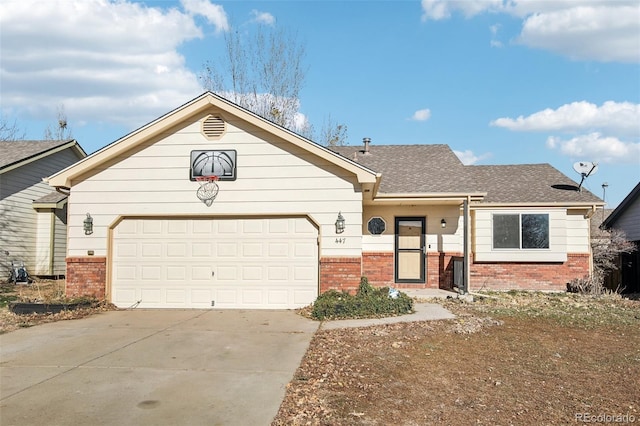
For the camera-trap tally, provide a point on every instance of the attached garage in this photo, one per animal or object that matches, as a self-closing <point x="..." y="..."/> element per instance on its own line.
<point x="209" y="207"/>
<point x="250" y="263"/>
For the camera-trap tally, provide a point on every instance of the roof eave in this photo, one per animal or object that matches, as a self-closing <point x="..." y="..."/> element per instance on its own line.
<point x="427" y="198"/>
<point x="568" y="205"/>
<point x="50" y="205"/>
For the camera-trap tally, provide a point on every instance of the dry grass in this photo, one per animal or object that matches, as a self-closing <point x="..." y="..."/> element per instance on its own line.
<point x="517" y="358"/>
<point x="40" y="291"/>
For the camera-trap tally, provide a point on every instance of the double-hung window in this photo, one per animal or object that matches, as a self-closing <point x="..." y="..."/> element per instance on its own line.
<point x="521" y="231"/>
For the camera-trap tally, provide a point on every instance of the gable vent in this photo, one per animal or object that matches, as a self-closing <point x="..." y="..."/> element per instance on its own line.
<point x="213" y="126"/>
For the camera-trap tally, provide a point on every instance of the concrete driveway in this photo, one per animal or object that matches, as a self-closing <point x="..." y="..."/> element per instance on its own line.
<point x="152" y="367"/>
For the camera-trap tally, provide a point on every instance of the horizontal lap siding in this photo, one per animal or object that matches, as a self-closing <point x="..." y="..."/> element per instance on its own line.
<point x="629" y="221"/>
<point x="273" y="178"/>
<point x="18" y="189"/>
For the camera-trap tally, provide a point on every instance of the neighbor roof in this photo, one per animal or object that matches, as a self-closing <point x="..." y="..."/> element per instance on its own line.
<point x="436" y="169"/>
<point x="622" y="207"/>
<point x="16" y="153"/>
<point x="54" y="199"/>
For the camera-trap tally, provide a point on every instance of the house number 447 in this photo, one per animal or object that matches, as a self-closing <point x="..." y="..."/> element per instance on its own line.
<point x="341" y="240"/>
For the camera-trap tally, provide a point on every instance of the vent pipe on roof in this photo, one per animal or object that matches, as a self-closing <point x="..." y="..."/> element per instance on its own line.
<point x="366" y="141"/>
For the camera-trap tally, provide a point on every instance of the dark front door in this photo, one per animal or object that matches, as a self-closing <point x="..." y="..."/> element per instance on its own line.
<point x="410" y="264"/>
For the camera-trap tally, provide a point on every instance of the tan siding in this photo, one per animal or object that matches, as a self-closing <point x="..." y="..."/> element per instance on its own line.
<point x="272" y="179"/>
<point x="42" y="243"/>
<point x="448" y="239"/>
<point x="577" y="233"/>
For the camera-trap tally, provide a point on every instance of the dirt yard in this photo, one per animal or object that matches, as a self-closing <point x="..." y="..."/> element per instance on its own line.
<point x="510" y="359"/>
<point x="47" y="291"/>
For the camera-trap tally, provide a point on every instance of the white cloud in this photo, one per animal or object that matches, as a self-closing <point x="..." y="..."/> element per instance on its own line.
<point x="214" y="13"/>
<point x="600" y="30"/>
<point x="598" y="148"/>
<point x="115" y="62"/>
<point x="494" y="33"/>
<point x="421" y="115"/>
<point x="607" y="33"/>
<point x="263" y="17"/>
<point x="468" y="158"/>
<point x="618" y="118"/>
<point x="442" y="9"/>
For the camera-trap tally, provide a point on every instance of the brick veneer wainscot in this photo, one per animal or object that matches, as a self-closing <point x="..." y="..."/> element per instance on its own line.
<point x="340" y="273"/>
<point x="528" y="275"/>
<point x="86" y="276"/>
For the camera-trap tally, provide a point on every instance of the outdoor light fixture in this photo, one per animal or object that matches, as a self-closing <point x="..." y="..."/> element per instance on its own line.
<point x="443" y="223"/>
<point x="340" y="224"/>
<point x="88" y="225"/>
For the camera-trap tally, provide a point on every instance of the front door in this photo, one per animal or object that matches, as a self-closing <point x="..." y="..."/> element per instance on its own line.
<point x="410" y="262"/>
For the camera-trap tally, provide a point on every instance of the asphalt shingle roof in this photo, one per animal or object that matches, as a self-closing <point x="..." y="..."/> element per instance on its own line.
<point x="12" y="152"/>
<point x="436" y="169"/>
<point x="52" y="197"/>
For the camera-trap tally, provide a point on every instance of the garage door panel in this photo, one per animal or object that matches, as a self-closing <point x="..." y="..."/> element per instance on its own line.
<point x="151" y="227"/>
<point x="176" y="273"/>
<point x="234" y="263"/>
<point x="253" y="249"/>
<point x="201" y="249"/>
<point x="176" y="296"/>
<point x="176" y="249"/>
<point x="152" y="296"/>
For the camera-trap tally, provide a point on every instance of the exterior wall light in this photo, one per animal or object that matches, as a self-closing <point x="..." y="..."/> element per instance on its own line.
<point x="443" y="223"/>
<point x="88" y="225"/>
<point x="340" y="224"/>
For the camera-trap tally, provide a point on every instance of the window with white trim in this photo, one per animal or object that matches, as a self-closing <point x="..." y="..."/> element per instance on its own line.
<point x="521" y="231"/>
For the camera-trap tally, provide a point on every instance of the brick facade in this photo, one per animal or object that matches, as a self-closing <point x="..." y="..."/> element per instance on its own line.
<point x="86" y="276"/>
<point x="378" y="268"/>
<point x="340" y="273"/>
<point x="529" y="275"/>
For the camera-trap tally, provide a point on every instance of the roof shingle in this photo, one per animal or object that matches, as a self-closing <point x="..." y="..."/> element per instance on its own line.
<point x="436" y="169"/>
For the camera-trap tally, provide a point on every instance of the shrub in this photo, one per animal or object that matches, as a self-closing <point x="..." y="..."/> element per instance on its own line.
<point x="368" y="302"/>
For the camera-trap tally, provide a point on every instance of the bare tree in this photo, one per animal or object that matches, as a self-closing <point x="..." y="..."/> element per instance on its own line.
<point x="10" y="131"/>
<point x="264" y="72"/>
<point x="333" y="134"/>
<point x="60" y="132"/>
<point x="606" y="249"/>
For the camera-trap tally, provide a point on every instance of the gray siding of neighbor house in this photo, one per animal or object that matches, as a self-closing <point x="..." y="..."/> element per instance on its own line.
<point x="629" y="221"/>
<point x="18" y="219"/>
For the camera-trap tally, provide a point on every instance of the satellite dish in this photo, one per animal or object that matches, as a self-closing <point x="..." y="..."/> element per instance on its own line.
<point x="585" y="169"/>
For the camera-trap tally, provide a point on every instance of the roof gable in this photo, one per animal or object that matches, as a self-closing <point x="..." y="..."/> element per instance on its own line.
<point x="14" y="154"/>
<point x="183" y="113"/>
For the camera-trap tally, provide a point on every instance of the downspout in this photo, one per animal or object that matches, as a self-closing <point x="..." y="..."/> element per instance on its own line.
<point x="467" y="235"/>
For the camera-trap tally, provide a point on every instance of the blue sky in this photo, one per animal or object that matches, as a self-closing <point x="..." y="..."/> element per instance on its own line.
<point x="501" y="82"/>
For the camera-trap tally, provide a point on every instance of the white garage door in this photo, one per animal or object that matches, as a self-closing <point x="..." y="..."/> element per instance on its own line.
<point x="266" y="263"/>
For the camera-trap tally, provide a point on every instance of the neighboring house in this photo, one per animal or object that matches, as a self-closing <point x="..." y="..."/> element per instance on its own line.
<point x="33" y="218"/>
<point x="289" y="218"/>
<point x="626" y="217"/>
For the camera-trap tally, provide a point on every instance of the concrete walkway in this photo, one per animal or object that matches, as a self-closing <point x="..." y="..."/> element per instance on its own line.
<point x="423" y="312"/>
<point x="152" y="367"/>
